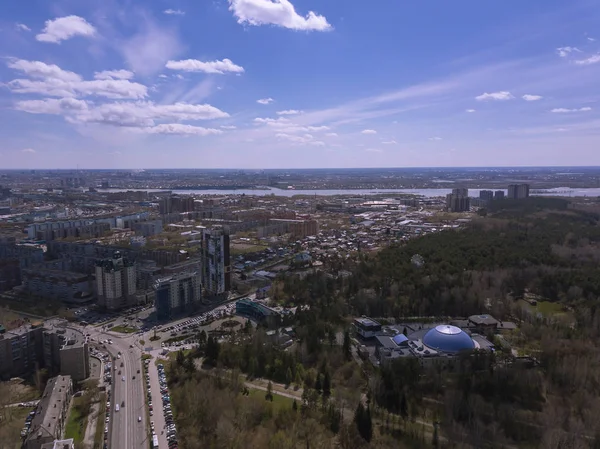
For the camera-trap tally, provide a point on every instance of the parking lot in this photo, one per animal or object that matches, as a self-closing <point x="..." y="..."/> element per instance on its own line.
<point x="161" y="416"/>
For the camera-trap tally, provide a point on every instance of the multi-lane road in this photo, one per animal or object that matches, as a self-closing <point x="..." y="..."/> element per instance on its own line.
<point x="128" y="426"/>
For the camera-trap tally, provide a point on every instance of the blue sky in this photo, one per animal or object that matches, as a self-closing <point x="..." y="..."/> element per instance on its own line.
<point x="299" y="83"/>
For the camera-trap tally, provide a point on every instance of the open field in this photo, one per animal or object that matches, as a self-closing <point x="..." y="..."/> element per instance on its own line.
<point x="246" y="248"/>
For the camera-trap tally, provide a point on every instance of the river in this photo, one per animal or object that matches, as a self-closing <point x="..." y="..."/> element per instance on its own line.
<point x="429" y="193"/>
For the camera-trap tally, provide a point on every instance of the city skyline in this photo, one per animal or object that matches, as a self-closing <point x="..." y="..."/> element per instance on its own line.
<point x="277" y="84"/>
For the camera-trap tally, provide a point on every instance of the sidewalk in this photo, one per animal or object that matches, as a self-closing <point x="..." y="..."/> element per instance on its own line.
<point x="92" y="421"/>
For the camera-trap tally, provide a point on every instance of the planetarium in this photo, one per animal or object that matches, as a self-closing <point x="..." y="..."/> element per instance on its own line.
<point x="448" y="339"/>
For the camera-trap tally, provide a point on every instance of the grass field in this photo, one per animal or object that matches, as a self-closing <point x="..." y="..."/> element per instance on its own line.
<point x="99" y="435"/>
<point x="76" y="423"/>
<point x="279" y="402"/>
<point x="13" y="420"/>
<point x="124" y="329"/>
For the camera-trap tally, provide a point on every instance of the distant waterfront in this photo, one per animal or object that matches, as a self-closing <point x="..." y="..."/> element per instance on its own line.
<point x="429" y="193"/>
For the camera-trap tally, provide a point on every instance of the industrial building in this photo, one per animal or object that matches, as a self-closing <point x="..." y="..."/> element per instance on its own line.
<point x="216" y="265"/>
<point x="177" y="294"/>
<point x="116" y="282"/>
<point x="50" y="419"/>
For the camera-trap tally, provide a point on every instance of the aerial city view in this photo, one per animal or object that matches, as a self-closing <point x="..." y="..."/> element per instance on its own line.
<point x="299" y="224"/>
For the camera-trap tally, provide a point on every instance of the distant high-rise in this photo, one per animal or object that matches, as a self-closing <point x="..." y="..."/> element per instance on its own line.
<point x="216" y="268"/>
<point x="177" y="294"/>
<point x="175" y="204"/>
<point x="499" y="195"/>
<point x="115" y="282"/>
<point x="486" y="195"/>
<point x="518" y="191"/>
<point x="458" y="200"/>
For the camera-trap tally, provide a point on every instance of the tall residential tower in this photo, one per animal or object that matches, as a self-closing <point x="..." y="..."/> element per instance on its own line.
<point x="216" y="268"/>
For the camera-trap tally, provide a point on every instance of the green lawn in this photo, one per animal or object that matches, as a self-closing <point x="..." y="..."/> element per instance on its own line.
<point x="77" y="423"/>
<point x="124" y="329"/>
<point x="99" y="436"/>
<point x="279" y="402"/>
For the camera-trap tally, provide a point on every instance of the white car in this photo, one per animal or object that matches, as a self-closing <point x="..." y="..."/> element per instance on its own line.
<point x="139" y="419"/>
<point x="123" y="378"/>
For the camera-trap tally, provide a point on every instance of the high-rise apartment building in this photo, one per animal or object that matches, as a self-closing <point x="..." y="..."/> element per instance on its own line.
<point x="175" y="204"/>
<point x="458" y="200"/>
<point x="177" y="294"/>
<point x="499" y="195"/>
<point x="216" y="266"/>
<point x="518" y="191"/>
<point x="115" y="282"/>
<point x="486" y="195"/>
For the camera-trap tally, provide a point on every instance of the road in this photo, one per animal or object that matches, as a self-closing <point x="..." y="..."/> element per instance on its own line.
<point x="125" y="430"/>
<point x="158" y="412"/>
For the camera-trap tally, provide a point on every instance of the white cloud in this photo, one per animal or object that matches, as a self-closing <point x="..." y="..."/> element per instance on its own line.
<point x="528" y="97"/>
<point x="589" y="61"/>
<point x="52" y="106"/>
<point x="114" y="74"/>
<point x="276" y="12"/>
<point x="41" y="70"/>
<point x="331" y="134"/>
<point x="182" y="130"/>
<point x="272" y="121"/>
<point x="563" y="52"/>
<point x="591" y="39"/>
<point x="115" y="89"/>
<point x="317" y="128"/>
<point x="373" y="150"/>
<point x="435" y="138"/>
<point x="503" y="95"/>
<point x="22" y="27"/>
<point x="565" y="110"/>
<point x="64" y="28"/>
<point x="389" y="142"/>
<point x="289" y="112"/>
<point x="306" y="139"/>
<point x="147" y="52"/>
<point x="122" y="114"/>
<point x="368" y="131"/>
<point x="265" y="101"/>
<point x="28" y="150"/>
<point x="194" y="65"/>
<point x="174" y="12"/>
<point x="470" y="110"/>
<point x="228" y="127"/>
<point x="162" y="75"/>
<point x="51" y="80"/>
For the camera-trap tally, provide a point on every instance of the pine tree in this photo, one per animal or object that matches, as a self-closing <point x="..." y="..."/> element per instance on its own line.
<point x="326" y="385"/>
<point x="269" y="395"/>
<point x="295" y="406"/>
<point x="347" y="346"/>
<point x="318" y="385"/>
<point x="288" y="377"/>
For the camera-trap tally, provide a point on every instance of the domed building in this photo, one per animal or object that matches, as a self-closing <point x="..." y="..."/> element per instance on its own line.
<point x="448" y="339"/>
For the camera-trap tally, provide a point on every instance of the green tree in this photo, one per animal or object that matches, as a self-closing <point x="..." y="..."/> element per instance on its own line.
<point x="295" y="406"/>
<point x="318" y="383"/>
<point x="269" y="395"/>
<point x="347" y="346"/>
<point x="212" y="350"/>
<point x="180" y="359"/>
<point x="288" y="376"/>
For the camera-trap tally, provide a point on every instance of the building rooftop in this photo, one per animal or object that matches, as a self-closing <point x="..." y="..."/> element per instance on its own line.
<point x="367" y="322"/>
<point x="59" y="444"/>
<point x="46" y="420"/>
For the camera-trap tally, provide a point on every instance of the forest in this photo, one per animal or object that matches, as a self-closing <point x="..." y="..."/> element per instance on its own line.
<point x="546" y="248"/>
